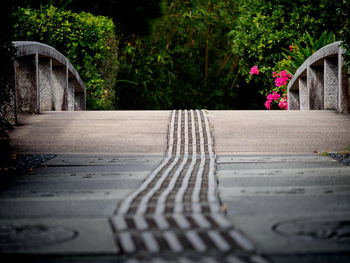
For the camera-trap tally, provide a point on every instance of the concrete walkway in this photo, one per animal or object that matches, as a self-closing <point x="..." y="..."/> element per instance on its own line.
<point x="97" y="132"/>
<point x="278" y="132"/>
<point x="292" y="204"/>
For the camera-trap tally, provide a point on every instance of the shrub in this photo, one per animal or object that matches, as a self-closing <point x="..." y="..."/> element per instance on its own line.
<point x="7" y="53"/>
<point x="343" y="13"/>
<point x="88" y="41"/>
<point x="186" y="62"/>
<point x="264" y="28"/>
<point x="298" y="52"/>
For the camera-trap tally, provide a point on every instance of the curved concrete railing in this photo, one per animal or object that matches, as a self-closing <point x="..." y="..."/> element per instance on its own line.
<point x="319" y="83"/>
<point x="46" y="80"/>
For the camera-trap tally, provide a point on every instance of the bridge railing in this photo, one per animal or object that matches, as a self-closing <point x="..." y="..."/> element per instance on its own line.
<point x="319" y="83"/>
<point x="45" y="80"/>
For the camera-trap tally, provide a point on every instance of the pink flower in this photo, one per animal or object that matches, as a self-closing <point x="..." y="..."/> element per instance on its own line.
<point x="275" y="96"/>
<point x="283" y="104"/>
<point x="281" y="79"/>
<point x="283" y="74"/>
<point x="280" y="82"/>
<point x="254" y="70"/>
<point x="268" y="104"/>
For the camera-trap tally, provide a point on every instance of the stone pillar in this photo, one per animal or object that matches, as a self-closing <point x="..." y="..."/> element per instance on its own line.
<point x="8" y="95"/>
<point x="79" y="102"/>
<point x="343" y="86"/>
<point x="71" y="93"/>
<point x="303" y="94"/>
<point x="331" y="84"/>
<point x="66" y="97"/>
<point x="37" y="84"/>
<point x="45" y="85"/>
<point x="293" y="100"/>
<point x="59" y="87"/>
<point x="315" y="86"/>
<point x="26" y="84"/>
<point x="79" y="96"/>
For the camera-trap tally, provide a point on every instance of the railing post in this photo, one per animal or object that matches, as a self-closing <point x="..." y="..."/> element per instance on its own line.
<point x="59" y="87"/>
<point x="26" y="84"/>
<point x="66" y="92"/>
<point x="303" y="94"/>
<point x="293" y="97"/>
<point x="330" y="84"/>
<point x="37" y="84"/>
<point x="45" y="81"/>
<point x="315" y="87"/>
<point x="71" y="97"/>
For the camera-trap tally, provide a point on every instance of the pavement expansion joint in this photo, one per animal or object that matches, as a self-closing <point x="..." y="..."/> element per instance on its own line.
<point x="177" y="208"/>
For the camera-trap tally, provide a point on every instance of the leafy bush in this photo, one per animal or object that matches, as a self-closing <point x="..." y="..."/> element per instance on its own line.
<point x="186" y="62"/>
<point x="7" y="53"/>
<point x="344" y="13"/>
<point x="264" y="28"/>
<point x="298" y="53"/>
<point x="88" y="41"/>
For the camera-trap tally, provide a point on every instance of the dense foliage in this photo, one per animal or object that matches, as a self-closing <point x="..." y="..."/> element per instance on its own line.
<point x="7" y="53"/>
<point x="186" y="62"/>
<point x="131" y="16"/>
<point x="88" y="41"/>
<point x="197" y="54"/>
<point x="344" y="13"/>
<point x="297" y="53"/>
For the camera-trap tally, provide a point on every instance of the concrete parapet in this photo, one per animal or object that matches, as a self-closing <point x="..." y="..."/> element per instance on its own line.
<point x="315" y="87"/>
<point x="303" y="94"/>
<point x="25" y="83"/>
<point x="331" y="83"/>
<point x="319" y="83"/>
<point x="45" y="80"/>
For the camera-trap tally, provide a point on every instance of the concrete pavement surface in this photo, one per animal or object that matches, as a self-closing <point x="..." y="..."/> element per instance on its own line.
<point x="295" y="208"/>
<point x="98" y="132"/>
<point x="276" y="132"/>
<point x="292" y="204"/>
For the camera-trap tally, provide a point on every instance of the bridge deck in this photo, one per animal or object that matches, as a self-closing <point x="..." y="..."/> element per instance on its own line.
<point x="292" y="205"/>
<point x="279" y="132"/>
<point x="98" y="132"/>
<point x="146" y="132"/>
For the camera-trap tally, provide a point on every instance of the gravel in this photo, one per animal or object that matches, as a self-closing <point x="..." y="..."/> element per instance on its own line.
<point x="342" y="157"/>
<point x="19" y="164"/>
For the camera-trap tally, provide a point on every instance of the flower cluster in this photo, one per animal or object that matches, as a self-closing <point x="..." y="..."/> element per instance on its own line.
<point x="254" y="70"/>
<point x="283" y="104"/>
<point x="274" y="96"/>
<point x="282" y="78"/>
<point x="293" y="48"/>
<point x="274" y="99"/>
<point x="281" y="81"/>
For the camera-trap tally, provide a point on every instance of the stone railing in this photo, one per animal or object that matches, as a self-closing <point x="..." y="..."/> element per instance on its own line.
<point x="45" y="80"/>
<point x="319" y="83"/>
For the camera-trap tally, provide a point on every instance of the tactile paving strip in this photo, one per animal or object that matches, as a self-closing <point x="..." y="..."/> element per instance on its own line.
<point x="177" y="208"/>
